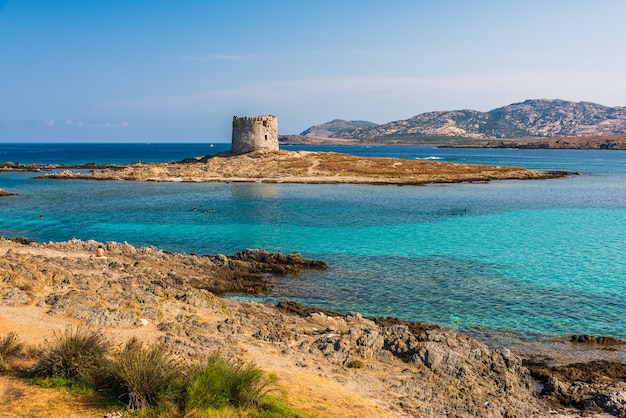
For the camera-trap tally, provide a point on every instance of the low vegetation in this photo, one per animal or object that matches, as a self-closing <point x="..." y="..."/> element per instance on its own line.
<point x="149" y="380"/>
<point x="356" y="364"/>
<point x="78" y="353"/>
<point x="149" y="377"/>
<point x="218" y="382"/>
<point x="10" y="349"/>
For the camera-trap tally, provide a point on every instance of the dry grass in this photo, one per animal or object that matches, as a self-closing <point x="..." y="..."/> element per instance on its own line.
<point x="21" y="400"/>
<point x="10" y="349"/>
<point x="321" y="397"/>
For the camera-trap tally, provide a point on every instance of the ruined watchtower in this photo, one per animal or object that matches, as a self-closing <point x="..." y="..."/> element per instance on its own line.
<point x="254" y="133"/>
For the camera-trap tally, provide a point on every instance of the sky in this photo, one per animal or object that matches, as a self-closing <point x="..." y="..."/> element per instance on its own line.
<point x="178" y="71"/>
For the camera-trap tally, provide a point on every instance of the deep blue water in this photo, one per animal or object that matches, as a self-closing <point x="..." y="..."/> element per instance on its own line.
<point x="103" y="153"/>
<point x="544" y="257"/>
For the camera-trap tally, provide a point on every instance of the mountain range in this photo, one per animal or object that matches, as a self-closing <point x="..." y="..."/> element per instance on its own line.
<point x="543" y="118"/>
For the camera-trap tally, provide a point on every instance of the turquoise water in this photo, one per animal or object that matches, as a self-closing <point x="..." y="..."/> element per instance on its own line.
<point x="538" y="257"/>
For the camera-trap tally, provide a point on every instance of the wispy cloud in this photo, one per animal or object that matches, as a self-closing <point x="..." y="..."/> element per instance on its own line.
<point x="388" y="93"/>
<point x="116" y="125"/>
<point x="72" y="123"/>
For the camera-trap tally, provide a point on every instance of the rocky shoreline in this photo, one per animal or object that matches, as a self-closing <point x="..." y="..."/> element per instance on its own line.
<point x="330" y="364"/>
<point x="292" y="167"/>
<point x="574" y="143"/>
<point x="611" y="142"/>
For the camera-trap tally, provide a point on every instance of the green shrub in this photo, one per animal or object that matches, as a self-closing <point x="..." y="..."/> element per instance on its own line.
<point x="10" y="348"/>
<point x="75" y="354"/>
<point x="356" y="364"/>
<point x="149" y="376"/>
<point x="219" y="383"/>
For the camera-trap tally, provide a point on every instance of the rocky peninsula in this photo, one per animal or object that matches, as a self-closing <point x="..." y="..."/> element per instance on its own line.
<point x="297" y="167"/>
<point x="328" y="364"/>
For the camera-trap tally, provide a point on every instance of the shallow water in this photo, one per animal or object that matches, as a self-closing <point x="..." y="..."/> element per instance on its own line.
<point x="532" y="257"/>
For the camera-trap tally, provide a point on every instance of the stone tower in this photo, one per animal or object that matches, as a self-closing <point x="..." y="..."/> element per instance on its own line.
<point x="254" y="133"/>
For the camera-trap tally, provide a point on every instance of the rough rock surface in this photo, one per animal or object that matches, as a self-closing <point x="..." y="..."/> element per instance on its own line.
<point x="389" y="367"/>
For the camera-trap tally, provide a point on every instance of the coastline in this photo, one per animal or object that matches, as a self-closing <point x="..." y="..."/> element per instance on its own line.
<point x="410" y="368"/>
<point x="295" y="167"/>
<point x="597" y="142"/>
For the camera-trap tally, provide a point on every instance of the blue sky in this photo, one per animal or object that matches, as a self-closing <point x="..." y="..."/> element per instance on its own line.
<point x="177" y="71"/>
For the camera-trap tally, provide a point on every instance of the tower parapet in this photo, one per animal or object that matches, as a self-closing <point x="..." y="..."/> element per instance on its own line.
<point x="254" y="133"/>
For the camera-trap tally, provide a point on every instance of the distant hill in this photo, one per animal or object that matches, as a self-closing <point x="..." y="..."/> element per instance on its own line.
<point x="531" y="118"/>
<point x="336" y="128"/>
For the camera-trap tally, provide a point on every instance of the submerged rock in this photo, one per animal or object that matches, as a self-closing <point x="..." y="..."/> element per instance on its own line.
<point x="590" y="339"/>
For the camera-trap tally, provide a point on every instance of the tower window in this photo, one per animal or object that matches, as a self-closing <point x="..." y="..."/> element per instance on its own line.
<point x="266" y="137"/>
<point x="265" y="125"/>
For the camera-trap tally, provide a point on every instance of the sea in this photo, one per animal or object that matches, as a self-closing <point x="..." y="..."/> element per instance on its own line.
<point x="531" y="258"/>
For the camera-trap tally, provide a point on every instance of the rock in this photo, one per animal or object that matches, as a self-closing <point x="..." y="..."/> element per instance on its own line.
<point x="221" y="260"/>
<point x="613" y="403"/>
<point x="103" y="317"/>
<point x="277" y="263"/>
<point x="590" y="339"/>
<point x="14" y="297"/>
<point x="302" y="311"/>
<point x="589" y="387"/>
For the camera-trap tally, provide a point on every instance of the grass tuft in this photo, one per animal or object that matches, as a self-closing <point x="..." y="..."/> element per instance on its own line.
<point x="75" y="354"/>
<point x="10" y="348"/>
<point x="218" y="383"/>
<point x="149" y="376"/>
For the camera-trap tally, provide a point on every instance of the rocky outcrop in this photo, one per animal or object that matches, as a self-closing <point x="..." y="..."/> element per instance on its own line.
<point x="10" y="166"/>
<point x="258" y="261"/>
<point x="127" y="267"/>
<point x="591" y="387"/>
